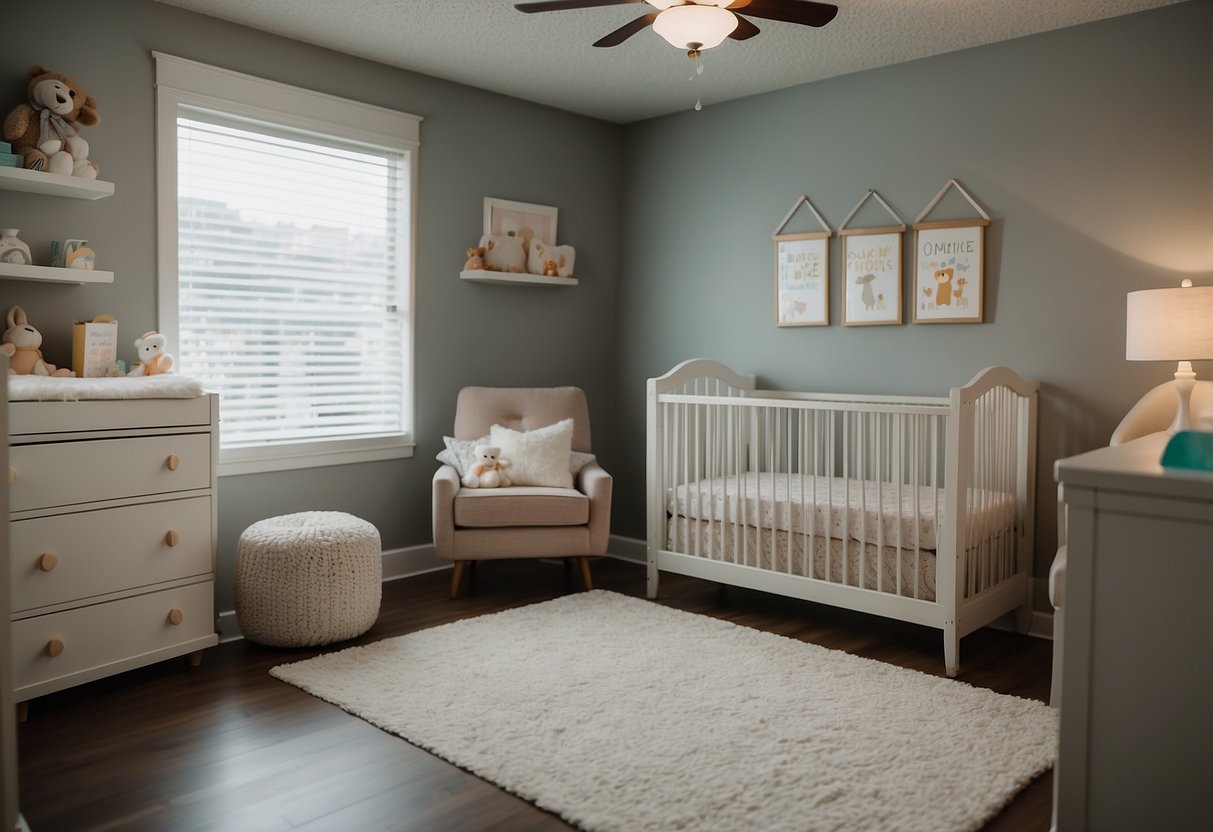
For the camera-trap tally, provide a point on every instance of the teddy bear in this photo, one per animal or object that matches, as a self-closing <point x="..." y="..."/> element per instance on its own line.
<point x="153" y="360"/>
<point x="21" y="342"/>
<point x="489" y="470"/>
<point x="43" y="130"/>
<point x="475" y="257"/>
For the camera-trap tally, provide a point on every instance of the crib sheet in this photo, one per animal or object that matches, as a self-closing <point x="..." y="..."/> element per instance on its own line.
<point x="863" y="510"/>
<point x="749" y="546"/>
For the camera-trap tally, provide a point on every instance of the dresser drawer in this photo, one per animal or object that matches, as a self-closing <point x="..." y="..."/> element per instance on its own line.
<point x="72" y="556"/>
<point x="65" y="473"/>
<point x="106" y="638"/>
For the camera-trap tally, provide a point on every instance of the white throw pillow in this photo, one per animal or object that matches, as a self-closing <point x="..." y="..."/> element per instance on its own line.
<point x="460" y="453"/>
<point x="503" y="252"/>
<point x="537" y="457"/>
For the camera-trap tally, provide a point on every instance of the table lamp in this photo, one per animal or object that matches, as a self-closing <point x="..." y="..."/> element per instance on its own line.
<point x="1172" y="325"/>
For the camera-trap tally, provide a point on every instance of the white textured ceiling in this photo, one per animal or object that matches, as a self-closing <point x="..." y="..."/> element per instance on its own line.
<point x="547" y="58"/>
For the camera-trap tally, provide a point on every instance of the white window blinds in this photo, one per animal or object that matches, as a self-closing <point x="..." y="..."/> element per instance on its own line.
<point x="292" y="274"/>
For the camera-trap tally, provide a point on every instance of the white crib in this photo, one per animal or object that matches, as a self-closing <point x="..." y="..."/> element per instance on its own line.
<point x="915" y="508"/>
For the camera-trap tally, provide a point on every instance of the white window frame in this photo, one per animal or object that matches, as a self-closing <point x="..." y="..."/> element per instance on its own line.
<point x="184" y="82"/>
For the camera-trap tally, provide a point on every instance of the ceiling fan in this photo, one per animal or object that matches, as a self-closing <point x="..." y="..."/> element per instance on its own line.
<point x="698" y="24"/>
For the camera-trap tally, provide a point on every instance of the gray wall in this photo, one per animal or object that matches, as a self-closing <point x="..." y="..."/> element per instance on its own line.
<point x="1090" y="147"/>
<point x="474" y="144"/>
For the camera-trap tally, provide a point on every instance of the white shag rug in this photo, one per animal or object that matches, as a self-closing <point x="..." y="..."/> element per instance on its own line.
<point x="620" y="714"/>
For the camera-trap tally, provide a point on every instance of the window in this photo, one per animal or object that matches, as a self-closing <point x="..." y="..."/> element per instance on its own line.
<point x="286" y="264"/>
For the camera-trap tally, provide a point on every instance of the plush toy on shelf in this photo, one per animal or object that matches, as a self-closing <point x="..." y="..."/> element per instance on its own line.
<point x="475" y="259"/>
<point x="43" y="130"/>
<point x="21" y="343"/>
<point x="153" y="360"/>
<point x="489" y="469"/>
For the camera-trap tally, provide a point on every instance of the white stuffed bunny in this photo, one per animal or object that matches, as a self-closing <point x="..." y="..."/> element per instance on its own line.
<point x="153" y="360"/>
<point x="489" y="469"/>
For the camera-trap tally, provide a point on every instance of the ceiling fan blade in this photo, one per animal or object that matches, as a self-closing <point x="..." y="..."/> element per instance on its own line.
<point x="804" y="12"/>
<point x="626" y="31"/>
<point x="745" y="29"/>
<point x="562" y="5"/>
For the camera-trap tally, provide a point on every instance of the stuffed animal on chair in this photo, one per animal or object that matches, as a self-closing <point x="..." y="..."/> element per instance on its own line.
<point x="488" y="470"/>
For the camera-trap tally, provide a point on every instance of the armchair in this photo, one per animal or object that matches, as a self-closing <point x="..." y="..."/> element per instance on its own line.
<point x="473" y="524"/>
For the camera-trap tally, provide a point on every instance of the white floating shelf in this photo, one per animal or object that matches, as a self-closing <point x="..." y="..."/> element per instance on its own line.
<point x="486" y="276"/>
<point x="52" y="274"/>
<point x="53" y="184"/>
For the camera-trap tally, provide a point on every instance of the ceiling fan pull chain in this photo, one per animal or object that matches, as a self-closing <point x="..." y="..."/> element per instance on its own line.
<point x="697" y="57"/>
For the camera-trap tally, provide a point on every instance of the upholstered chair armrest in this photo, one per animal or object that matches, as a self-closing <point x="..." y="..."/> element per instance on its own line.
<point x="446" y="486"/>
<point x="595" y="483"/>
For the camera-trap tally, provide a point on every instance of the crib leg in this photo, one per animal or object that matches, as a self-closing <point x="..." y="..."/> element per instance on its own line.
<point x="951" y="650"/>
<point x="652" y="579"/>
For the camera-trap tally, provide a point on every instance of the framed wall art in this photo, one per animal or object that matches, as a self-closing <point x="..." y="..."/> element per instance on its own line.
<point x="802" y="273"/>
<point x="871" y="270"/>
<point x="949" y="265"/>
<point x="504" y="216"/>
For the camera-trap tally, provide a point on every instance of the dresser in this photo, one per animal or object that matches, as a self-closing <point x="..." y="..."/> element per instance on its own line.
<point x="112" y="514"/>
<point x="1135" y="749"/>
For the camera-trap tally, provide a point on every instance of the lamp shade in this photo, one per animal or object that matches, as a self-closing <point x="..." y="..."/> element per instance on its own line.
<point x="1169" y="324"/>
<point x="704" y="26"/>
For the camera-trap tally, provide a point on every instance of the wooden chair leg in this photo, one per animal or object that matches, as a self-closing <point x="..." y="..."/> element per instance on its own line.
<point x="456" y="577"/>
<point x="584" y="563"/>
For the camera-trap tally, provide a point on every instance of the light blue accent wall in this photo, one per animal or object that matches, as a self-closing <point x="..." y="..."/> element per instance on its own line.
<point x="1090" y="147"/>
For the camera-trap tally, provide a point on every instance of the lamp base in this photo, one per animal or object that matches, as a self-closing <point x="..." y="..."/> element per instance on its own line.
<point x="1185" y="380"/>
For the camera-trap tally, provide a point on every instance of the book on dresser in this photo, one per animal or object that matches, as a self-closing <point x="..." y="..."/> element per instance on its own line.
<point x="112" y="518"/>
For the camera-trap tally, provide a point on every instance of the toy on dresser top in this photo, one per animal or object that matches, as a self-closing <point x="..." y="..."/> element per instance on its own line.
<point x="153" y="360"/>
<point x="21" y="343"/>
<point x="43" y="129"/>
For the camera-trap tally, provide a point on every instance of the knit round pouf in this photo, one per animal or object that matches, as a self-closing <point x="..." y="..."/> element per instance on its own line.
<point x="307" y="579"/>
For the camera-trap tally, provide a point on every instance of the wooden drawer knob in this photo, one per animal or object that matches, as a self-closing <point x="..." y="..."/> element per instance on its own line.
<point x="54" y="647"/>
<point x="175" y="616"/>
<point x="173" y="462"/>
<point x="171" y="539"/>
<point x="12" y="475"/>
<point x="48" y="561"/>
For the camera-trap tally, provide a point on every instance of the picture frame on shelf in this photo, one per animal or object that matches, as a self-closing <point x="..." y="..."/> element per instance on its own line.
<point x="505" y="216"/>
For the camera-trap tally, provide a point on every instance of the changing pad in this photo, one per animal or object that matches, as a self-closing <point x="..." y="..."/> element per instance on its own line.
<point x="51" y="389"/>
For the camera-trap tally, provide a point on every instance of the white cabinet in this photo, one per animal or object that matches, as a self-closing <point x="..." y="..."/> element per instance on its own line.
<point x="112" y="536"/>
<point x="1136" y="741"/>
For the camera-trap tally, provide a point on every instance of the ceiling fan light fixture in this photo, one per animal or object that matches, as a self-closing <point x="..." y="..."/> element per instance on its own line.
<point x="705" y="26"/>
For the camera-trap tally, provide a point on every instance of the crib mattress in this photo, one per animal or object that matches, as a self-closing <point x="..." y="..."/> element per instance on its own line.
<point x="834" y="560"/>
<point x="868" y="511"/>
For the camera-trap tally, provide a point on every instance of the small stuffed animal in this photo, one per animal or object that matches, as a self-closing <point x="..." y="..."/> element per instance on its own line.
<point x="475" y="259"/>
<point x="489" y="470"/>
<point x="21" y="342"/>
<point x="43" y="130"/>
<point x="153" y="360"/>
<point x="550" y="260"/>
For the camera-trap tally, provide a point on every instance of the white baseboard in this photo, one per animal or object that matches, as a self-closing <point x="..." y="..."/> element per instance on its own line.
<point x="417" y="560"/>
<point x="397" y="563"/>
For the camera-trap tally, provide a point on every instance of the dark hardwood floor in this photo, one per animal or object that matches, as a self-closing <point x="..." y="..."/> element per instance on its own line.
<point x="225" y="746"/>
